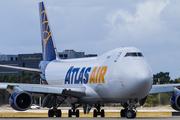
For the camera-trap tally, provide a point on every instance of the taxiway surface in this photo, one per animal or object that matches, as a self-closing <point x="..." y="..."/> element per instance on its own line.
<point x="140" y="118"/>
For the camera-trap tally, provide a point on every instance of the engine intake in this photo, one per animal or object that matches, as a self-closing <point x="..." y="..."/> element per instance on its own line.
<point x="175" y="101"/>
<point x="20" y="101"/>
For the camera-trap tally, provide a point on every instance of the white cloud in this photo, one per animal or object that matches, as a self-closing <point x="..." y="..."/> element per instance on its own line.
<point x="145" y="22"/>
<point x="150" y="10"/>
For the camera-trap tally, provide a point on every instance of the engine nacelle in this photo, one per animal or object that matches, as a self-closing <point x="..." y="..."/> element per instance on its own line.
<point x="20" y="101"/>
<point x="175" y="101"/>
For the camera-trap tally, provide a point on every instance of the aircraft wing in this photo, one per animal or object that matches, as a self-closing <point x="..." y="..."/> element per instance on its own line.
<point x="33" y="70"/>
<point x="164" y="88"/>
<point x="62" y="90"/>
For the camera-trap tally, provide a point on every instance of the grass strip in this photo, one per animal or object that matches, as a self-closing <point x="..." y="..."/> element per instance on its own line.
<point x="107" y="114"/>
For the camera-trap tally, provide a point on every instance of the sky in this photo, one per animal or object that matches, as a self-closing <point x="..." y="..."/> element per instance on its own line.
<point x="96" y="27"/>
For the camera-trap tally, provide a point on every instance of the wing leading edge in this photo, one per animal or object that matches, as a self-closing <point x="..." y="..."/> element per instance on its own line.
<point x="62" y="90"/>
<point x="165" y="88"/>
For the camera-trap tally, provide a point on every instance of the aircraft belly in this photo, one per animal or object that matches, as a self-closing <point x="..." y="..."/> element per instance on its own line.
<point x="104" y="100"/>
<point x="104" y="93"/>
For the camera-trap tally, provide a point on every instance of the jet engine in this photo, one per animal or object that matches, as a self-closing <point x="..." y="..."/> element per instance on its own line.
<point x="20" y="101"/>
<point x="175" y="101"/>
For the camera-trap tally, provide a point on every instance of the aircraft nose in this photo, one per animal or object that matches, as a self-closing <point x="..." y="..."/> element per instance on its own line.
<point x="144" y="78"/>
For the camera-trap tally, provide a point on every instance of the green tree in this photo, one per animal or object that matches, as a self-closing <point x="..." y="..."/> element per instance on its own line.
<point x="162" y="76"/>
<point x="26" y="79"/>
<point x="36" y="77"/>
<point x="1" y="80"/>
<point x="20" y="78"/>
<point x="164" y="98"/>
<point x="5" y="78"/>
<point x="171" y="81"/>
<point x="13" y="79"/>
<point x="177" y="80"/>
<point x="26" y="73"/>
<point x="151" y="100"/>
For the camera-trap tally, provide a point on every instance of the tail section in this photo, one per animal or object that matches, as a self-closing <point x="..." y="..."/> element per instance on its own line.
<point x="48" y="45"/>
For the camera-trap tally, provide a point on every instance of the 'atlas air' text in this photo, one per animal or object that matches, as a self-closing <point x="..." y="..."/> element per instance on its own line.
<point x="81" y="76"/>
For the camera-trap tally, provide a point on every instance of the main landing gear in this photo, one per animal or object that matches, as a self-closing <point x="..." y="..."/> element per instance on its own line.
<point x="129" y="110"/>
<point x="74" y="111"/>
<point x="52" y="112"/>
<point x="97" y="111"/>
<point x="55" y="111"/>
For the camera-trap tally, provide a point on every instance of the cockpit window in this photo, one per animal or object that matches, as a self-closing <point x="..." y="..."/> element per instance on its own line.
<point x="133" y="54"/>
<point x="140" y="54"/>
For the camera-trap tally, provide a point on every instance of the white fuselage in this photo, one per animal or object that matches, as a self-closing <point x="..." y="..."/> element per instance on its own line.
<point x="113" y="77"/>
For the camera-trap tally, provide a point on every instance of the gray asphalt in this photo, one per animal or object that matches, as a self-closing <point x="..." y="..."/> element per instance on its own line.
<point x="140" y="118"/>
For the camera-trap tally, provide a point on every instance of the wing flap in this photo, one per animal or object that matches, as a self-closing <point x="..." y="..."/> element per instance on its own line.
<point x="42" y="89"/>
<point x="73" y="93"/>
<point x="33" y="70"/>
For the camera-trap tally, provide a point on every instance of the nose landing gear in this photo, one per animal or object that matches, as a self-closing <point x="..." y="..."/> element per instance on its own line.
<point x="130" y="109"/>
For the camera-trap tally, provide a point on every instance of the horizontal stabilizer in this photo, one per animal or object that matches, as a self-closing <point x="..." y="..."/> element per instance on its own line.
<point x="32" y="70"/>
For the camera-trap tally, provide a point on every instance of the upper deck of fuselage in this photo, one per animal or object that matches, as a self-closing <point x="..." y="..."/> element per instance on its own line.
<point x="102" y="57"/>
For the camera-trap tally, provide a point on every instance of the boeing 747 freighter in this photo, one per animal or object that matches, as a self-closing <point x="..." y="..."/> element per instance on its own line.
<point x="121" y="76"/>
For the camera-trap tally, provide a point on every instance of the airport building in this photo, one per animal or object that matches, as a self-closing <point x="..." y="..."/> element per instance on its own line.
<point x="32" y="60"/>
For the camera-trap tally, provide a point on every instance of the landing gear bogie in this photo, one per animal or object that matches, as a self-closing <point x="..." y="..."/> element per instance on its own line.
<point x="50" y="113"/>
<point x="102" y="113"/>
<point x="95" y="113"/>
<point x="73" y="111"/>
<point x="123" y="113"/>
<point x="55" y="103"/>
<point x="77" y="113"/>
<point x="130" y="114"/>
<point x="70" y="113"/>
<point x="57" y="113"/>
